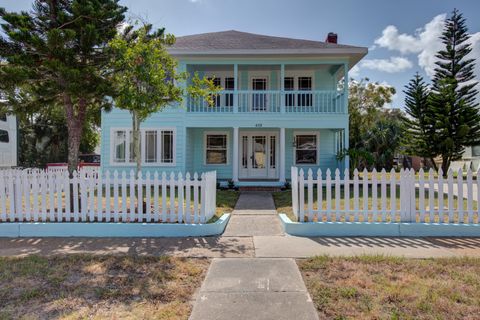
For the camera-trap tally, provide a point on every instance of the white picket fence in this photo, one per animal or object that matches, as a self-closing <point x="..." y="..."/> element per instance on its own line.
<point x="46" y="196"/>
<point x="386" y="197"/>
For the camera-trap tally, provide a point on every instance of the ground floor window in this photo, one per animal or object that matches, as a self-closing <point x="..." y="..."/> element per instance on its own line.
<point x="119" y="143"/>
<point x="216" y="148"/>
<point x="306" y="148"/>
<point x="156" y="145"/>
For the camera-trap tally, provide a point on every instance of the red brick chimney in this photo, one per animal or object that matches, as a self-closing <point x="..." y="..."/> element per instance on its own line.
<point x="331" y="38"/>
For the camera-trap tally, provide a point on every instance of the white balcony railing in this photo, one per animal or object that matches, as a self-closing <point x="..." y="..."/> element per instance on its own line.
<point x="331" y="101"/>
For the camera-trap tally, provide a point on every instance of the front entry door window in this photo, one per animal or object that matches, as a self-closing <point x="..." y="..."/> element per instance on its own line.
<point x="258" y="156"/>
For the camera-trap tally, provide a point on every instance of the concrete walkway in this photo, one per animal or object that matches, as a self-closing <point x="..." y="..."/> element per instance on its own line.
<point x="254" y="215"/>
<point x="253" y="288"/>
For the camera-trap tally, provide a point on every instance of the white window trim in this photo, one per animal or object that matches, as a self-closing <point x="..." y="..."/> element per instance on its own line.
<point x="295" y="74"/>
<point x="207" y="133"/>
<point x="302" y="133"/>
<point x="142" y="145"/>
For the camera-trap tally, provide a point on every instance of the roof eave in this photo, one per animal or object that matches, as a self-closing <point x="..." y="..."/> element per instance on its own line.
<point x="355" y="54"/>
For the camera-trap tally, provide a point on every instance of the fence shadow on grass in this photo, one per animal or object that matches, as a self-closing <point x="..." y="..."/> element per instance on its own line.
<point x="387" y="242"/>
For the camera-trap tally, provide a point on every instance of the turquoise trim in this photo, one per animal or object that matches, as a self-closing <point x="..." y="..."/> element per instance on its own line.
<point x="80" y="229"/>
<point x="380" y="229"/>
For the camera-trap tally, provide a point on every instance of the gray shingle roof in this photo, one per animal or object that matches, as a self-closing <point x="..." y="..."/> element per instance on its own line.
<point x="236" y="40"/>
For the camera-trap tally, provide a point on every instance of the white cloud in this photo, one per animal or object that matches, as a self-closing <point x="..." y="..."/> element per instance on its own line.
<point x="425" y="42"/>
<point x="391" y="65"/>
<point x="475" y="54"/>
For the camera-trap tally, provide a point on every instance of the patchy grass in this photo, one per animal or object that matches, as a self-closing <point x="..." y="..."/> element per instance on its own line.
<point x="283" y="202"/>
<point x="377" y="287"/>
<point x="98" y="287"/>
<point x="226" y="200"/>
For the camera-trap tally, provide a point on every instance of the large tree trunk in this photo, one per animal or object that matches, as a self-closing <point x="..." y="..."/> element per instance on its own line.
<point x="445" y="164"/>
<point x="75" y="121"/>
<point x="136" y="141"/>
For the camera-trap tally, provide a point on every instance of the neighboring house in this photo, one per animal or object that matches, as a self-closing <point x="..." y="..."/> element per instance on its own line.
<point x="282" y="106"/>
<point x="8" y="141"/>
<point x="472" y="155"/>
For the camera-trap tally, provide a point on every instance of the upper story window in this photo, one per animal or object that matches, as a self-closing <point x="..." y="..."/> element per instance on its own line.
<point x="156" y="145"/>
<point x="306" y="149"/>
<point x="216" y="148"/>
<point x="298" y="84"/>
<point x="3" y="117"/>
<point x="289" y="85"/>
<point x="229" y="86"/>
<point x="305" y="84"/>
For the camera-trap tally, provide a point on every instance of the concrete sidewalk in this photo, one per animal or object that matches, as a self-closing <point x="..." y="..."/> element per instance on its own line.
<point x="237" y="289"/>
<point x="245" y="247"/>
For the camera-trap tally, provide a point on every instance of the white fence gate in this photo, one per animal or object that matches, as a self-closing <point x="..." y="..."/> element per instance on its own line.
<point x="386" y="197"/>
<point x="46" y="196"/>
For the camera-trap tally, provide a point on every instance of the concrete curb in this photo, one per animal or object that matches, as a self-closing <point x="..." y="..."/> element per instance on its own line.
<point x="111" y="229"/>
<point x="377" y="229"/>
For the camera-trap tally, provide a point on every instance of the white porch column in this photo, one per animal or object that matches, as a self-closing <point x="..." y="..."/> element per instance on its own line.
<point x="282" y="155"/>
<point x="235" y="155"/>
<point x="235" y="88"/>
<point x="282" y="88"/>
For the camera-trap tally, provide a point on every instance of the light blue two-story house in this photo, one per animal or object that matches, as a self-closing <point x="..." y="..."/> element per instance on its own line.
<point x="281" y="106"/>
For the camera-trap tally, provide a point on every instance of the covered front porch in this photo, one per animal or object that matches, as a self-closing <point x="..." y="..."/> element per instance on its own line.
<point x="253" y="156"/>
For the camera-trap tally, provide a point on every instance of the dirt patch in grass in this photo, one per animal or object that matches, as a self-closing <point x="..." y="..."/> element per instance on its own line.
<point x="376" y="287"/>
<point x="98" y="287"/>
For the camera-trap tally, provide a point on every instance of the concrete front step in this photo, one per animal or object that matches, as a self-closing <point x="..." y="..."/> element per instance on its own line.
<point x="260" y="188"/>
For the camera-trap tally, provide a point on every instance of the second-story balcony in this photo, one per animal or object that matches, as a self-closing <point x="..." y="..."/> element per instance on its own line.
<point x="264" y="86"/>
<point x="275" y="101"/>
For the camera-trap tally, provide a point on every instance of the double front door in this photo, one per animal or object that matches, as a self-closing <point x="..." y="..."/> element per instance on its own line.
<point x="258" y="155"/>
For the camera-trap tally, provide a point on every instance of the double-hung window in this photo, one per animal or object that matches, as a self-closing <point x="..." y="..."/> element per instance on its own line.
<point x="167" y="153"/>
<point x="216" y="148"/>
<point x="150" y="146"/>
<point x="306" y="149"/>
<point x="119" y="146"/>
<point x="229" y="86"/>
<point x="305" y="84"/>
<point x="157" y="146"/>
<point x="289" y="85"/>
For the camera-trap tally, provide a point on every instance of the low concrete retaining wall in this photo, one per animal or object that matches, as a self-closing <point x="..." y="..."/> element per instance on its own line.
<point x="76" y="229"/>
<point x="377" y="229"/>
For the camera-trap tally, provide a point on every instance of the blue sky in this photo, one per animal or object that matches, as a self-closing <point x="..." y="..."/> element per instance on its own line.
<point x="401" y="35"/>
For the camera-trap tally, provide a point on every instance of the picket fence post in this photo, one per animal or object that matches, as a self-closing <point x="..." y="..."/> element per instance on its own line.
<point x="294" y="186"/>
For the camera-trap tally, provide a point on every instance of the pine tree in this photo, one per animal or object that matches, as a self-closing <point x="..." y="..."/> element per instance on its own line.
<point x="59" y="53"/>
<point x="454" y="111"/>
<point x="420" y="131"/>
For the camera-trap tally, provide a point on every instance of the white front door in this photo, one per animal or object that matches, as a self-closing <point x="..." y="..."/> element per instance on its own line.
<point x="258" y="155"/>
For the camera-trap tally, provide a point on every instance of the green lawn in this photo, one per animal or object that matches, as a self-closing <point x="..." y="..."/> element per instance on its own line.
<point x="98" y="287"/>
<point x="376" y="287"/>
